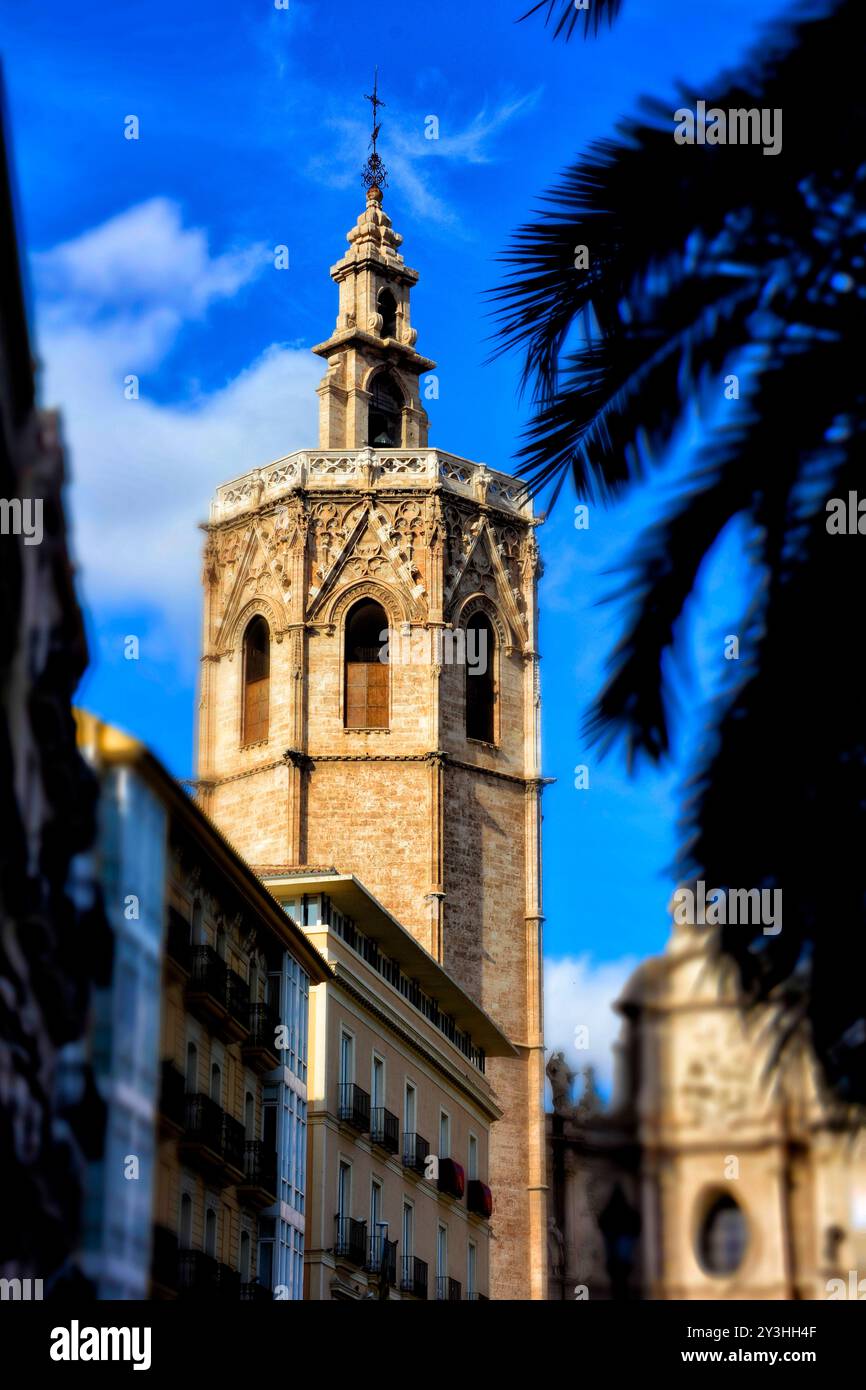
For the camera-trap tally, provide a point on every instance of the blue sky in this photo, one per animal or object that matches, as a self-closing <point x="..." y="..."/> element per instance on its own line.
<point x="154" y="258"/>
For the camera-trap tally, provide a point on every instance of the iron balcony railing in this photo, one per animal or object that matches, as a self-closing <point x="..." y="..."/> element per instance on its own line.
<point x="414" y="1279"/>
<point x="219" y="990"/>
<point x="204" y="1122"/>
<point x="260" y="1164"/>
<point x="382" y="1254"/>
<point x="263" y="1024"/>
<point x="351" y="1240"/>
<point x="415" y="1152"/>
<point x="233" y="1142"/>
<point x="228" y="1283"/>
<point x="197" y="1273"/>
<point x="208" y="1124"/>
<point x="385" y="1129"/>
<point x="447" y="1289"/>
<point x="255" y="1292"/>
<point x="355" y="1106"/>
<point x="237" y="997"/>
<point x="208" y="972"/>
<point x="410" y="989"/>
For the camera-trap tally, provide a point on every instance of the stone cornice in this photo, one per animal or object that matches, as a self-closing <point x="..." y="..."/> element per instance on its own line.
<point x="307" y="762"/>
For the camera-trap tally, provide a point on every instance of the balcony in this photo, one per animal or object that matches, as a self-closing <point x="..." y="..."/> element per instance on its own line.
<point x="385" y="1129"/>
<point x="414" y="1277"/>
<point x="355" y="1106"/>
<point x="163" y="1268"/>
<point x="351" y="1240"/>
<point x="260" y="1048"/>
<point x="447" y="1290"/>
<point x="197" y="1274"/>
<point x="259" y="1186"/>
<point x="228" y="1283"/>
<point x="172" y="1099"/>
<point x="382" y="1251"/>
<point x="233" y="1145"/>
<point x="452" y="1180"/>
<point x="255" y="1292"/>
<point x="217" y="995"/>
<point x="177" y="944"/>
<point x="415" y="1152"/>
<point x="201" y="1276"/>
<point x="212" y="1140"/>
<point x="479" y="1199"/>
<point x="238" y="1005"/>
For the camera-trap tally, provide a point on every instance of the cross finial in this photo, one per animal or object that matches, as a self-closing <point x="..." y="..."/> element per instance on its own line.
<point x="374" y="173"/>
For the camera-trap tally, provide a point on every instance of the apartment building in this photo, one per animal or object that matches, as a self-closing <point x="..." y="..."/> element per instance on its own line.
<point x="200" y="1051"/>
<point x="50" y="953"/>
<point x="400" y="1109"/>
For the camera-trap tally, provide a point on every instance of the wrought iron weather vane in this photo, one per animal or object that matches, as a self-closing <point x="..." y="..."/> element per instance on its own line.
<point x="374" y="173"/>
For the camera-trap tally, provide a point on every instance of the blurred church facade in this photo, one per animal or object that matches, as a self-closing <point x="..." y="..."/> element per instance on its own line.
<point x="711" y="1174"/>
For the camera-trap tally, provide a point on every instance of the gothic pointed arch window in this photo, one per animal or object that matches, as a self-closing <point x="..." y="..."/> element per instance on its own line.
<point x="385" y="419"/>
<point x="366" y="667"/>
<point x="480" y="681"/>
<point x="388" y="309"/>
<point x="257" y="681"/>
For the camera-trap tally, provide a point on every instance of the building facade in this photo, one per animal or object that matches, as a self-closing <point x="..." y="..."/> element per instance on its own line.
<point x="199" y="1048"/>
<point x="400" y="1109"/>
<point x="51" y="950"/>
<point x="370" y="696"/>
<point x="713" y="1174"/>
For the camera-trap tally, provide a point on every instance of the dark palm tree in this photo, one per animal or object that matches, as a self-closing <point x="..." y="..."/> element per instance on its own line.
<point x="707" y="261"/>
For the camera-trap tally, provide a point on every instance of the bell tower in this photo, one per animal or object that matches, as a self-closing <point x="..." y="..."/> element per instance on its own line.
<point x="369" y="691"/>
<point x="370" y="394"/>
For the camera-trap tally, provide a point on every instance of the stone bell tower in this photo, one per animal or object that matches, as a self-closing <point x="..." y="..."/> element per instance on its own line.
<point x="369" y="691"/>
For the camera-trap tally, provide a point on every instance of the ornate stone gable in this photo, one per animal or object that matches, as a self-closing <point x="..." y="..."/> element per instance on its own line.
<point x="354" y="540"/>
<point x="250" y="571"/>
<point x="489" y="569"/>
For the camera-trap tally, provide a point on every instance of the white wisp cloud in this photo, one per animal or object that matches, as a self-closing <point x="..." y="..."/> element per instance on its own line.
<point x="578" y="994"/>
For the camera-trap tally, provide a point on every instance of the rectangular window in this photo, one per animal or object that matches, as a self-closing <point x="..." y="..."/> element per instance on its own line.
<point x="377" y="1083"/>
<point x="266" y="1263"/>
<point x="409" y="1103"/>
<point x="344" y="1190"/>
<point x="444" y="1134"/>
<point x="442" y="1252"/>
<point x="408" y="1230"/>
<point x="347" y="1059"/>
<point x="375" y="1209"/>
<point x="473" y="1157"/>
<point x="471" y="1266"/>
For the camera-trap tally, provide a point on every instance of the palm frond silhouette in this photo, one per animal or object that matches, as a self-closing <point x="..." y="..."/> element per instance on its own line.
<point x="706" y="261"/>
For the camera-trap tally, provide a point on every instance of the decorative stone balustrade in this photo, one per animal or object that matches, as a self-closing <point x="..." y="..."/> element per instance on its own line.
<point x="369" y="470"/>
